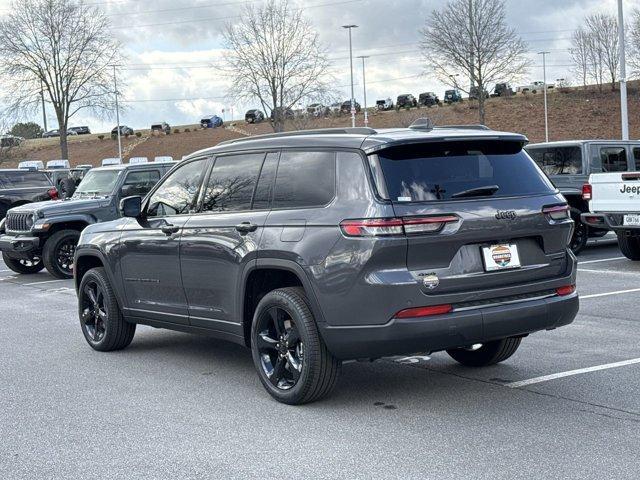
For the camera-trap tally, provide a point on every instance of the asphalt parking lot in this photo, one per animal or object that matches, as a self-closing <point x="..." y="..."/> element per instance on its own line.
<point x="174" y="405"/>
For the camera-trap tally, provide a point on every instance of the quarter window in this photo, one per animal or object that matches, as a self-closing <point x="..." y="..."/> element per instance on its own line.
<point x="177" y="193"/>
<point x="614" y="159"/>
<point x="305" y="179"/>
<point x="558" y="160"/>
<point x="232" y="182"/>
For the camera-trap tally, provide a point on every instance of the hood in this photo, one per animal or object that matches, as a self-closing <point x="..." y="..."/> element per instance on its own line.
<point x="66" y="207"/>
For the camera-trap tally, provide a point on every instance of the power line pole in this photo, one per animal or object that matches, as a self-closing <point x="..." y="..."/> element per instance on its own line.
<point x="364" y="83"/>
<point x="44" y="111"/>
<point x="623" y="73"/>
<point x="115" y="89"/>
<point x="544" y="86"/>
<point x="353" y="100"/>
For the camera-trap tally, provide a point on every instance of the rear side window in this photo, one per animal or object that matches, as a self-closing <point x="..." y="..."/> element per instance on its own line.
<point x="449" y="171"/>
<point x="25" y="179"/>
<point x="636" y="157"/>
<point x="305" y="179"/>
<point x="264" y="190"/>
<point x="558" y="160"/>
<point x="232" y="182"/>
<point x="614" y="159"/>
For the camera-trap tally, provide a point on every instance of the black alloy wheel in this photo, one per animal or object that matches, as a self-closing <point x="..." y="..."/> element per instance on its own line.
<point x="280" y="348"/>
<point x="58" y="253"/>
<point x="94" y="311"/>
<point x="23" y="265"/>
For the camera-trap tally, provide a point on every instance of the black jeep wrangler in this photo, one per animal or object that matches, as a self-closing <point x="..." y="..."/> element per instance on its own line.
<point x="45" y="234"/>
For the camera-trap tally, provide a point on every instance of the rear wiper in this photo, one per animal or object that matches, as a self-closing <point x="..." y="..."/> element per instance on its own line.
<point x="477" y="192"/>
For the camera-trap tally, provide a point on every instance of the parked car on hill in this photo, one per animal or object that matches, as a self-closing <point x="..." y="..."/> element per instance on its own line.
<point x="474" y="93"/>
<point x="502" y="90"/>
<point x="335" y="108"/>
<point x="9" y="141"/>
<point x="254" y="116"/>
<point x="161" y="127"/>
<point x="124" y="130"/>
<point x="383" y="105"/>
<point x="45" y="234"/>
<point x="569" y="164"/>
<point x="351" y="244"/>
<point x="406" y="101"/>
<point x="317" y="110"/>
<point x="452" y="96"/>
<point x="345" y="108"/>
<point x="84" y="130"/>
<point x="285" y="113"/>
<point x="212" y="121"/>
<point x="18" y="187"/>
<point x="428" y="99"/>
<point x="535" y="87"/>
<point x="56" y="133"/>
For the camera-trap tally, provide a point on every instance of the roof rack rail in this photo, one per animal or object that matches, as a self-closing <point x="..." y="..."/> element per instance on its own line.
<point x="463" y="127"/>
<point x="295" y="133"/>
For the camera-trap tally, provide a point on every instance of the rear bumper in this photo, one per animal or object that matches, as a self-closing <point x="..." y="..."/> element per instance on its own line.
<point x="455" y="329"/>
<point x="19" y="246"/>
<point x="611" y="221"/>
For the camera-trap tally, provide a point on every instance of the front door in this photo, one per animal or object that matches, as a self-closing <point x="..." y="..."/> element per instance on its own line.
<point x="150" y="255"/>
<point x="220" y="241"/>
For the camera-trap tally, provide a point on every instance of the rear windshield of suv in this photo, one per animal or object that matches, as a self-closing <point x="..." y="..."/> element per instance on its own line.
<point x="431" y="172"/>
<point x="23" y="179"/>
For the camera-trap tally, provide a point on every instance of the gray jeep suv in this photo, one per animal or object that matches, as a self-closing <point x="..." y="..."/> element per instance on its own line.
<point x="321" y="246"/>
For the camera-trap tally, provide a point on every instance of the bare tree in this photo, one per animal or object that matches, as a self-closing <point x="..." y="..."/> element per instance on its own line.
<point x="471" y="38"/>
<point x="275" y="56"/>
<point x="62" y="47"/>
<point x="634" y="42"/>
<point x="603" y="29"/>
<point x="580" y="54"/>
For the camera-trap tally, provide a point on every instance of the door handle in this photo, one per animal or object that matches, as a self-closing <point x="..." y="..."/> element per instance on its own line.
<point x="246" y="227"/>
<point x="169" y="229"/>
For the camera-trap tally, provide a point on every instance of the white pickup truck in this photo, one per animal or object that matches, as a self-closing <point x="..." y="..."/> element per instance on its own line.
<point x="614" y="203"/>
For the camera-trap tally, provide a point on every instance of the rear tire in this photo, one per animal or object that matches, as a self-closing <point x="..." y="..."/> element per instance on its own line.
<point x="629" y="245"/>
<point x="293" y="363"/>
<point x="101" y="320"/>
<point x="58" y="252"/>
<point x="580" y="234"/>
<point x="489" y="353"/>
<point x="19" y="265"/>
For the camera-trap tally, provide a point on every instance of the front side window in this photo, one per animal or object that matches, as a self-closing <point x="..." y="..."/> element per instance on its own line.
<point x="232" y="182"/>
<point x="177" y="194"/>
<point x="432" y="172"/>
<point x="305" y="179"/>
<point x="98" y="183"/>
<point x="636" y="157"/>
<point x="558" y="160"/>
<point x="139" y="183"/>
<point x="614" y="159"/>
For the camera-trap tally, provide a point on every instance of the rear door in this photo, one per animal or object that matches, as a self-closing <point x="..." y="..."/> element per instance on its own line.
<point x="478" y="213"/>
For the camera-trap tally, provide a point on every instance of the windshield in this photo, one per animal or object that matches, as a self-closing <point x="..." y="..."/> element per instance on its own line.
<point x="456" y="170"/>
<point x="97" y="183"/>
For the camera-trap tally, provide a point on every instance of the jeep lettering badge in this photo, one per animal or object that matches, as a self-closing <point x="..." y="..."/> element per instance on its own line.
<point x="634" y="190"/>
<point x="506" y="215"/>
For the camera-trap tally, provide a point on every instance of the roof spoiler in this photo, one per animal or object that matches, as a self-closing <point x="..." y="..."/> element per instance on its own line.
<point x="426" y="123"/>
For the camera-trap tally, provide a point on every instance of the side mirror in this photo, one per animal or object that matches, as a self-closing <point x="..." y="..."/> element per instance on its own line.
<point x="131" y="207"/>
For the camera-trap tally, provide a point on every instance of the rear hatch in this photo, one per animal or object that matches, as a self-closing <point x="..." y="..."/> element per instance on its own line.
<point x="492" y="217"/>
<point x="615" y="192"/>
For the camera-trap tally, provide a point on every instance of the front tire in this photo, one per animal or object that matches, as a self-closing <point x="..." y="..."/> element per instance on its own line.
<point x="293" y="363"/>
<point x="23" y="266"/>
<point x="101" y="320"/>
<point x="58" y="252"/>
<point x="629" y="245"/>
<point x="486" y="354"/>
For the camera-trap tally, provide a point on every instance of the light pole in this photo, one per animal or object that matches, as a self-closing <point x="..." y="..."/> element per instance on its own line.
<point x="44" y="111"/>
<point x="544" y="85"/>
<point x="623" y="73"/>
<point x="364" y="87"/>
<point x="353" y="100"/>
<point x="115" y="90"/>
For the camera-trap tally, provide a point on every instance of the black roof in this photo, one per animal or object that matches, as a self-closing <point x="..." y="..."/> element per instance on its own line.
<point x="366" y="139"/>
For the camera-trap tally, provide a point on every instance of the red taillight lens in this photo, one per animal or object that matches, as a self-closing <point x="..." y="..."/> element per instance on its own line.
<point x="587" y="192"/>
<point x="53" y="193"/>
<point x="374" y="227"/>
<point x="424" y="311"/>
<point x="566" y="290"/>
<point x="557" y="212"/>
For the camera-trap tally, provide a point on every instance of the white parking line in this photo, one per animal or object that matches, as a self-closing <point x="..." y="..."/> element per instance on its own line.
<point x="46" y="281"/>
<point x="585" y="262"/>
<point x="607" y="294"/>
<point x="570" y="373"/>
<point x="611" y="272"/>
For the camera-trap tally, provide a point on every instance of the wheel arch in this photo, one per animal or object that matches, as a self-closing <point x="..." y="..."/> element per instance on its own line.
<point x="87" y="259"/>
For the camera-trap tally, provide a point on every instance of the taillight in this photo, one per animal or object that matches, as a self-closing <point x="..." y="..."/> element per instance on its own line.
<point x="587" y="192"/>
<point x="53" y="193"/>
<point x="557" y="212"/>
<point x="566" y="290"/>
<point x="375" y="227"/>
<point x="424" y="311"/>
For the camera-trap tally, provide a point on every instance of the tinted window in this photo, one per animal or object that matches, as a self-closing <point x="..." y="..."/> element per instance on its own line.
<point x="231" y="183"/>
<point x="264" y="190"/>
<point x="177" y="193"/>
<point x="305" y="179"/>
<point x="23" y="179"/>
<point x="614" y="159"/>
<point x="141" y="182"/>
<point x="636" y="157"/>
<point x="558" y="160"/>
<point x="432" y="172"/>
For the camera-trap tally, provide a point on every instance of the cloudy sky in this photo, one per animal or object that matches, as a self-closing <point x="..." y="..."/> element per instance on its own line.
<point x="172" y="47"/>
